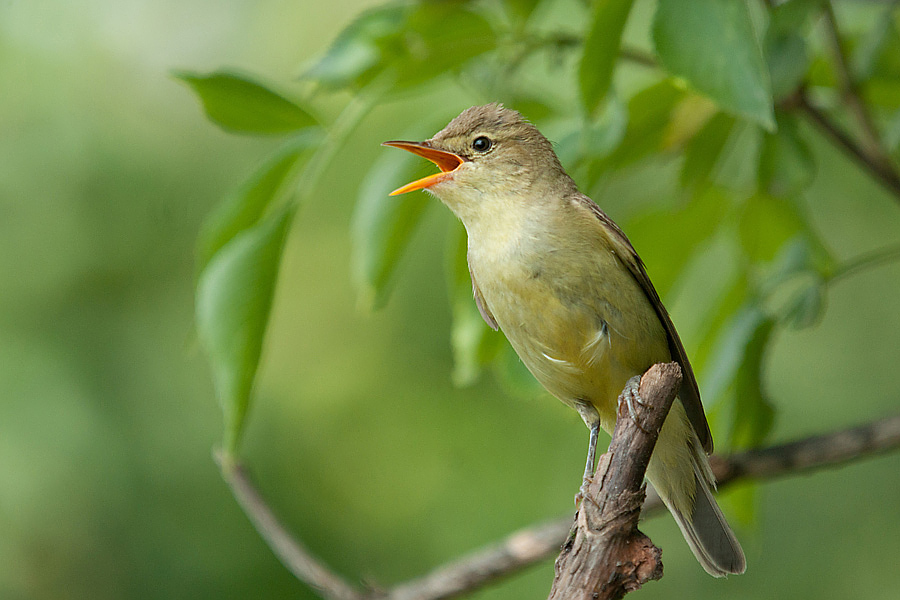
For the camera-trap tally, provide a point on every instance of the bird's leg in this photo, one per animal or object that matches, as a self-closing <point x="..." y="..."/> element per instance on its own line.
<point x="591" y="418"/>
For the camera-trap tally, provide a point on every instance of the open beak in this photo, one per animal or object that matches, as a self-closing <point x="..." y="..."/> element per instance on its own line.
<point x="447" y="162"/>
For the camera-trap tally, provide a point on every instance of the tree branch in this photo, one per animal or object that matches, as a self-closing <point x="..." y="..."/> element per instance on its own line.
<point x="816" y="452"/>
<point x="606" y="556"/>
<point x="533" y="544"/>
<point x="871" y="141"/>
<point x="875" y="258"/>
<point x="884" y="173"/>
<point x="480" y="568"/>
<point x="292" y="554"/>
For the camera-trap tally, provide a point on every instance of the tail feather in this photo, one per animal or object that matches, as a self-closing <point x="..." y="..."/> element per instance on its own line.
<point x="687" y="492"/>
<point x="709" y="535"/>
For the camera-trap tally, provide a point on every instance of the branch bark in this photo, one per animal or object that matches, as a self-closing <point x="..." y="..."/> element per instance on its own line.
<point x="292" y="554"/>
<point x="606" y="556"/>
<point x="529" y="545"/>
<point x="533" y="544"/>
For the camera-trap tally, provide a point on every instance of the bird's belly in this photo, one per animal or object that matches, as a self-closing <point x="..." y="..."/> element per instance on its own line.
<point x="576" y="350"/>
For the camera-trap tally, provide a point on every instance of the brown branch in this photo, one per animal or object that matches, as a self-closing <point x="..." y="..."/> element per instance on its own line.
<point x="476" y="570"/>
<point x="817" y="452"/>
<point x="885" y="174"/>
<point x="870" y="152"/>
<point x="292" y="554"/>
<point x="606" y="556"/>
<point x="871" y="141"/>
<point x="531" y="545"/>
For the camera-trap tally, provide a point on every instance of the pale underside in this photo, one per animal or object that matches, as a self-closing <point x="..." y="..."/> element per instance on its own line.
<point x="566" y="326"/>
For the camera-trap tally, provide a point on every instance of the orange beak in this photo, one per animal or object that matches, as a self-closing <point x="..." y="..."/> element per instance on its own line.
<point x="447" y="162"/>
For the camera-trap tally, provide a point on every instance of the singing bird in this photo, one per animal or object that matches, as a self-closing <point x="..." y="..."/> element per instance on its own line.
<point x="567" y="288"/>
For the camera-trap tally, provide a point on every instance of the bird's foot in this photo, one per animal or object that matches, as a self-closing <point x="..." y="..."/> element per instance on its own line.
<point x="632" y="396"/>
<point x="582" y="491"/>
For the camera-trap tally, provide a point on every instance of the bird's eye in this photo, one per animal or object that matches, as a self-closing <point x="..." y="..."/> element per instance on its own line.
<point x="481" y="144"/>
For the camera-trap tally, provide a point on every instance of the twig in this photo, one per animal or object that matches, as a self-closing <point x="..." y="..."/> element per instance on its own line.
<point x="867" y="260"/>
<point x="359" y="106"/>
<point x="885" y="174"/>
<point x="870" y="153"/>
<point x="638" y="57"/>
<point x="292" y="554"/>
<point x="531" y="545"/>
<point x="606" y="556"/>
<point x="815" y="452"/>
<point x="501" y="560"/>
<point x="871" y="141"/>
<point x="473" y="571"/>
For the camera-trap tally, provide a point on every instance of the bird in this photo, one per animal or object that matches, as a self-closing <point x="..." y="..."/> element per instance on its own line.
<point x="567" y="288"/>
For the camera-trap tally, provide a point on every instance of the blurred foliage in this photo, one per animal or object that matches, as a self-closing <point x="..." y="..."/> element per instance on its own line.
<point x="722" y="100"/>
<point x="683" y="120"/>
<point x="708" y="106"/>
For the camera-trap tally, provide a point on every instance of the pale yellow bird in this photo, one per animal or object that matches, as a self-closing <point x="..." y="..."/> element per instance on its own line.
<point x="568" y="290"/>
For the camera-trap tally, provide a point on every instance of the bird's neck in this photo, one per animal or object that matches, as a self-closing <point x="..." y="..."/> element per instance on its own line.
<point x="513" y="228"/>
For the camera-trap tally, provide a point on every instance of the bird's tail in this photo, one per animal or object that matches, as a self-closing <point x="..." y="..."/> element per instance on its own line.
<point x="680" y="472"/>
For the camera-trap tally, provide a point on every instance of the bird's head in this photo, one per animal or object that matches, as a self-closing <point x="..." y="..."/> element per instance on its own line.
<point x="486" y="152"/>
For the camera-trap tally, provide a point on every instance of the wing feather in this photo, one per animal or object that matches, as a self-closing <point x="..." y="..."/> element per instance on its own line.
<point x="481" y="304"/>
<point x="690" y="392"/>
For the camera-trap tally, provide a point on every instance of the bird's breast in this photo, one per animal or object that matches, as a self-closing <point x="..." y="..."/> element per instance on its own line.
<point x="575" y="316"/>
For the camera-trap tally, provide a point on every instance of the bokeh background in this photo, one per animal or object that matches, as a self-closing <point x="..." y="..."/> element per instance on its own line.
<point x="358" y="437"/>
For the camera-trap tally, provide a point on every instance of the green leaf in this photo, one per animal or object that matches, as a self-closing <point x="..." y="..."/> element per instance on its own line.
<point x="795" y="284"/>
<point x="237" y="103"/>
<point x="807" y="305"/>
<point x="794" y="259"/>
<point x="877" y="52"/>
<point x="766" y="225"/>
<point x="786" y="164"/>
<point x="718" y="319"/>
<point x="244" y="208"/>
<point x="788" y="61"/>
<point x="701" y="155"/>
<point x="729" y="351"/>
<point x="595" y="139"/>
<point x="601" y="50"/>
<point x="413" y="42"/>
<point x="712" y="45"/>
<point x="686" y="228"/>
<point x="438" y="37"/>
<point x="355" y="56"/>
<point x="383" y="225"/>
<point x="753" y="414"/>
<point x="233" y="302"/>
<point x="649" y="112"/>
<point x="821" y="73"/>
<point x="521" y="8"/>
<point x="876" y="61"/>
<point x="738" y="366"/>
<point x="785" y="45"/>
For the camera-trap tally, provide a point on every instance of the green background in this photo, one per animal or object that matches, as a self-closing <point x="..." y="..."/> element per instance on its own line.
<point x="358" y="437"/>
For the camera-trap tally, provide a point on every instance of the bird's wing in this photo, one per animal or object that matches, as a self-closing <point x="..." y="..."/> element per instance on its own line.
<point x="481" y="304"/>
<point x="689" y="393"/>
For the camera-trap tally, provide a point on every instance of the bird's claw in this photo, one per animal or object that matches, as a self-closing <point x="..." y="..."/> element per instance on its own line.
<point x="632" y="397"/>
<point x="582" y="491"/>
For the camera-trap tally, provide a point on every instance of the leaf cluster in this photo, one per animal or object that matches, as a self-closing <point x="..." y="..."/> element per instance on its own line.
<point x="712" y="98"/>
